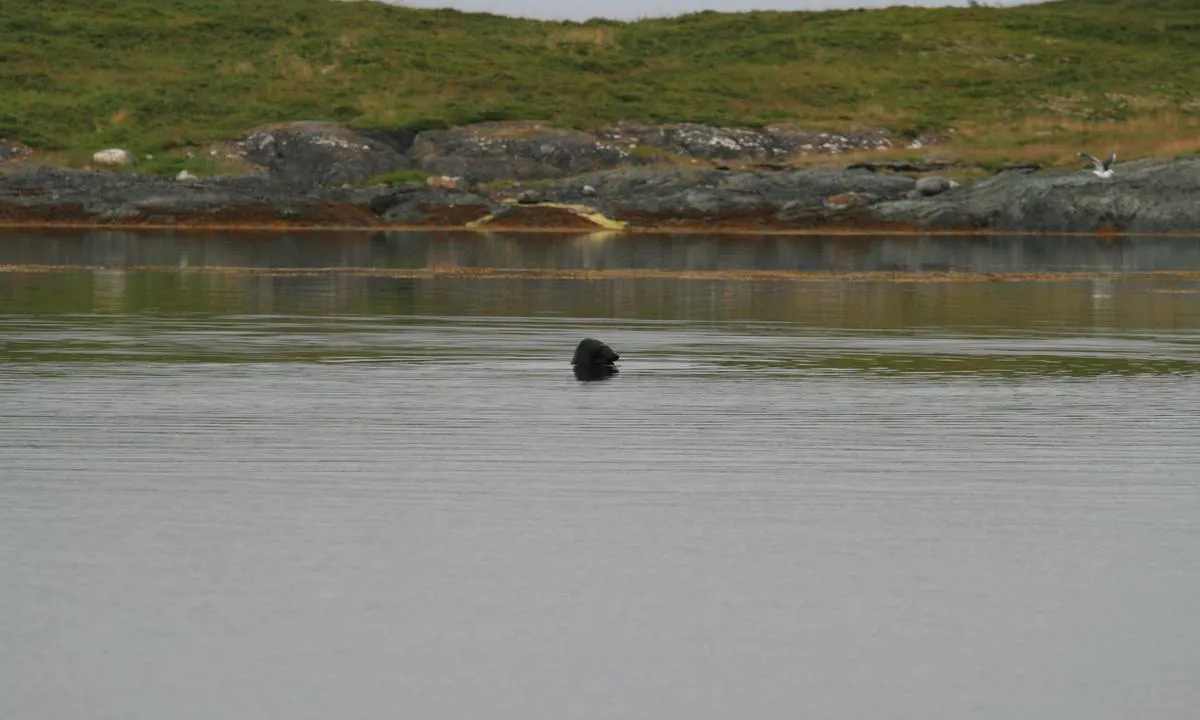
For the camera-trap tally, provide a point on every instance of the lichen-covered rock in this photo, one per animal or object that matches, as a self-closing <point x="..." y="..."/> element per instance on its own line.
<point x="775" y="142"/>
<point x="1141" y="197"/>
<point x="1144" y="197"/>
<point x="323" y="154"/>
<point x="514" y="151"/>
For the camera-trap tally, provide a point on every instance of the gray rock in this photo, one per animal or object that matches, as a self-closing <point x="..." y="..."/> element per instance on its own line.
<point x="514" y="151"/>
<point x="772" y="142"/>
<point x="36" y="192"/>
<point x="675" y="194"/>
<point x="315" y="154"/>
<point x="431" y="206"/>
<point x="1142" y="197"/>
<point x="10" y="150"/>
<point x="933" y="185"/>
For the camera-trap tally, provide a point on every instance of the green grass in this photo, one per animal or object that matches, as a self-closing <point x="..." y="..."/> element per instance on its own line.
<point x="398" y="177"/>
<point x="153" y="75"/>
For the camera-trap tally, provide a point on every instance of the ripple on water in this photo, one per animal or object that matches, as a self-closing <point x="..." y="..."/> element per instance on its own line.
<point x="865" y="508"/>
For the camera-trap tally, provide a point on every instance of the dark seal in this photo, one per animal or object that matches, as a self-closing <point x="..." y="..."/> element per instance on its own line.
<point x="594" y="360"/>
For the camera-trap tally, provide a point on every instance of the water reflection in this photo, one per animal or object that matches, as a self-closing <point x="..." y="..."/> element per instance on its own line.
<point x="982" y="329"/>
<point x="1162" y="303"/>
<point x="593" y="373"/>
<point x="601" y="251"/>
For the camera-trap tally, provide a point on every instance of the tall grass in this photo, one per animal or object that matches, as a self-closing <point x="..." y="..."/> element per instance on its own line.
<point x="76" y="75"/>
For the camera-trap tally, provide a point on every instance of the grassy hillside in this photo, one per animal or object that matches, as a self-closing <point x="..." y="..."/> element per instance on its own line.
<point x="155" y="74"/>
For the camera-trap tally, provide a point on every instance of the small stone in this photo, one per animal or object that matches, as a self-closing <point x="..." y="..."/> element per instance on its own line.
<point x="932" y="185"/>
<point x="113" y="156"/>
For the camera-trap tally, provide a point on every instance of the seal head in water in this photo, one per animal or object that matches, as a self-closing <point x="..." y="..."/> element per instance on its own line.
<point x="594" y="359"/>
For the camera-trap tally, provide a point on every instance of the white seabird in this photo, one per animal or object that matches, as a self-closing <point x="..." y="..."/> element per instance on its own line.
<point x="1101" y="169"/>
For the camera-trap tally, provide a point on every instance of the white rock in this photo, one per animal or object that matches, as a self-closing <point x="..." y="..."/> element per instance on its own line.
<point x="185" y="175"/>
<point x="113" y="156"/>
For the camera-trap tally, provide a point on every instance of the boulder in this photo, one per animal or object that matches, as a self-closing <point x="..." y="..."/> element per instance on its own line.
<point x="325" y="154"/>
<point x="933" y="185"/>
<point x="514" y="151"/>
<point x="113" y="156"/>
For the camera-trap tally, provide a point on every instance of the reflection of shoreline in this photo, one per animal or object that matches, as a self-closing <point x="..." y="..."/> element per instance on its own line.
<point x="658" y="230"/>
<point x="766" y="257"/>
<point x="499" y="273"/>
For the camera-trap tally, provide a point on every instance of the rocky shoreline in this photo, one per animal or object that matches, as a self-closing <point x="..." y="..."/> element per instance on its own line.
<point x="629" y="178"/>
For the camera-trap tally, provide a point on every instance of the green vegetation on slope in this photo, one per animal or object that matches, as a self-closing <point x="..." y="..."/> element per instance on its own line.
<point x="76" y="75"/>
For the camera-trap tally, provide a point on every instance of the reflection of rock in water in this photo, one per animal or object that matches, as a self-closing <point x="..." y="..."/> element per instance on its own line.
<point x="590" y="373"/>
<point x="108" y="290"/>
<point x="1102" y="294"/>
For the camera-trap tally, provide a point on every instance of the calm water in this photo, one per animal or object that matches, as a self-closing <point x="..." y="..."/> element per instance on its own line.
<point x="249" y="495"/>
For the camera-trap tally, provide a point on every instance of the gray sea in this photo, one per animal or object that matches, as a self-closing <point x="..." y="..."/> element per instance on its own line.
<point x="251" y="476"/>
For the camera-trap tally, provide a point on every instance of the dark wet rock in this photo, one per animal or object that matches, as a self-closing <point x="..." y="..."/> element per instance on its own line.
<point x="773" y="142"/>
<point x="514" y="151"/>
<point x="55" y="195"/>
<point x="323" y="154"/>
<point x="415" y="205"/>
<point x="1142" y="197"/>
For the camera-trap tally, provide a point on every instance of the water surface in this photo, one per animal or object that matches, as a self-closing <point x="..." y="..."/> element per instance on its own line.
<point x="254" y="494"/>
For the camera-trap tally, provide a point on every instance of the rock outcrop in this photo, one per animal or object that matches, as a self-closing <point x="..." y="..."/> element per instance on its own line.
<point x="667" y="197"/>
<point x="515" y="151"/>
<point x="317" y="174"/>
<point x="50" y="195"/>
<point x="321" y="154"/>
<point x="775" y="142"/>
<point x="1145" y="197"/>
